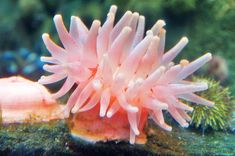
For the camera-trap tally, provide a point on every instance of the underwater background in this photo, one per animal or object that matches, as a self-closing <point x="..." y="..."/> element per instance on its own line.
<point x="209" y="25"/>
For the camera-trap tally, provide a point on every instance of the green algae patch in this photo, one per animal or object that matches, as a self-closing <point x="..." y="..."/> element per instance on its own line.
<point x="35" y="139"/>
<point x="216" y="143"/>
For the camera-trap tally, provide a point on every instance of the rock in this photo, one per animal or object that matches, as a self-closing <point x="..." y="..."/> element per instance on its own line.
<point x="54" y="138"/>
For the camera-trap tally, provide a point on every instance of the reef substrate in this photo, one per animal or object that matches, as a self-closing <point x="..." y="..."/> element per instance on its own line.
<point x="54" y="138"/>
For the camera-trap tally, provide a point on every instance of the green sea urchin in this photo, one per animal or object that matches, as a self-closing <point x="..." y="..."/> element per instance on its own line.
<point x="219" y="116"/>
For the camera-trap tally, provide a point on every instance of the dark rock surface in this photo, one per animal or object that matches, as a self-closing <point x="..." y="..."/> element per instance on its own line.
<point x="54" y="139"/>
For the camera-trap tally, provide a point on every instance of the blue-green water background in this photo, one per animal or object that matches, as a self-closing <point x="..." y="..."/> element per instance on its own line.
<point x="209" y="25"/>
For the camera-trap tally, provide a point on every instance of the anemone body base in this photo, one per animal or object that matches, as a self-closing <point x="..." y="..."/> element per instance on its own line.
<point x="90" y="127"/>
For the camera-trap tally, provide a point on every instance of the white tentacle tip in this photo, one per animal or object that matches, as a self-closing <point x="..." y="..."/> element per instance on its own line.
<point x="74" y="17"/>
<point x="201" y="86"/>
<point x="42" y="58"/>
<point x="204" y="85"/>
<point x="142" y="18"/>
<point x="185" y="124"/>
<point x="169" y="128"/>
<point x="45" y="36"/>
<point x="57" y="17"/>
<point x="161" y="22"/>
<point x="41" y="80"/>
<point x="45" y="67"/>
<point x="209" y="56"/>
<point x="162" y="32"/>
<point x="210" y="104"/>
<point x="164" y="106"/>
<point x="109" y="115"/>
<point x="136" y="14"/>
<point x="113" y="7"/>
<point x="133" y="109"/>
<point x="137" y="132"/>
<point x="190" y="109"/>
<point x="184" y="40"/>
<point x="128" y="12"/>
<point x="132" y="141"/>
<point x="74" y="110"/>
<point x="97" y="23"/>
<point x="102" y="113"/>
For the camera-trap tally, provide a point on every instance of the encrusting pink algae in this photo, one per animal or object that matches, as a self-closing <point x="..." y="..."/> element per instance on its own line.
<point x="122" y="76"/>
<point x="23" y="101"/>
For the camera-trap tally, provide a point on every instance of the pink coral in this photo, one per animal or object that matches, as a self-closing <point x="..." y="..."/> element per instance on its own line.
<point x="120" y="68"/>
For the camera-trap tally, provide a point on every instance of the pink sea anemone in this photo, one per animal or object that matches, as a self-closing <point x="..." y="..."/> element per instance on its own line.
<point x="119" y="68"/>
<point x="23" y="100"/>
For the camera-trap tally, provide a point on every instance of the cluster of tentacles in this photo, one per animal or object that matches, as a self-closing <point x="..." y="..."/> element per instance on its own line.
<point x="119" y="67"/>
